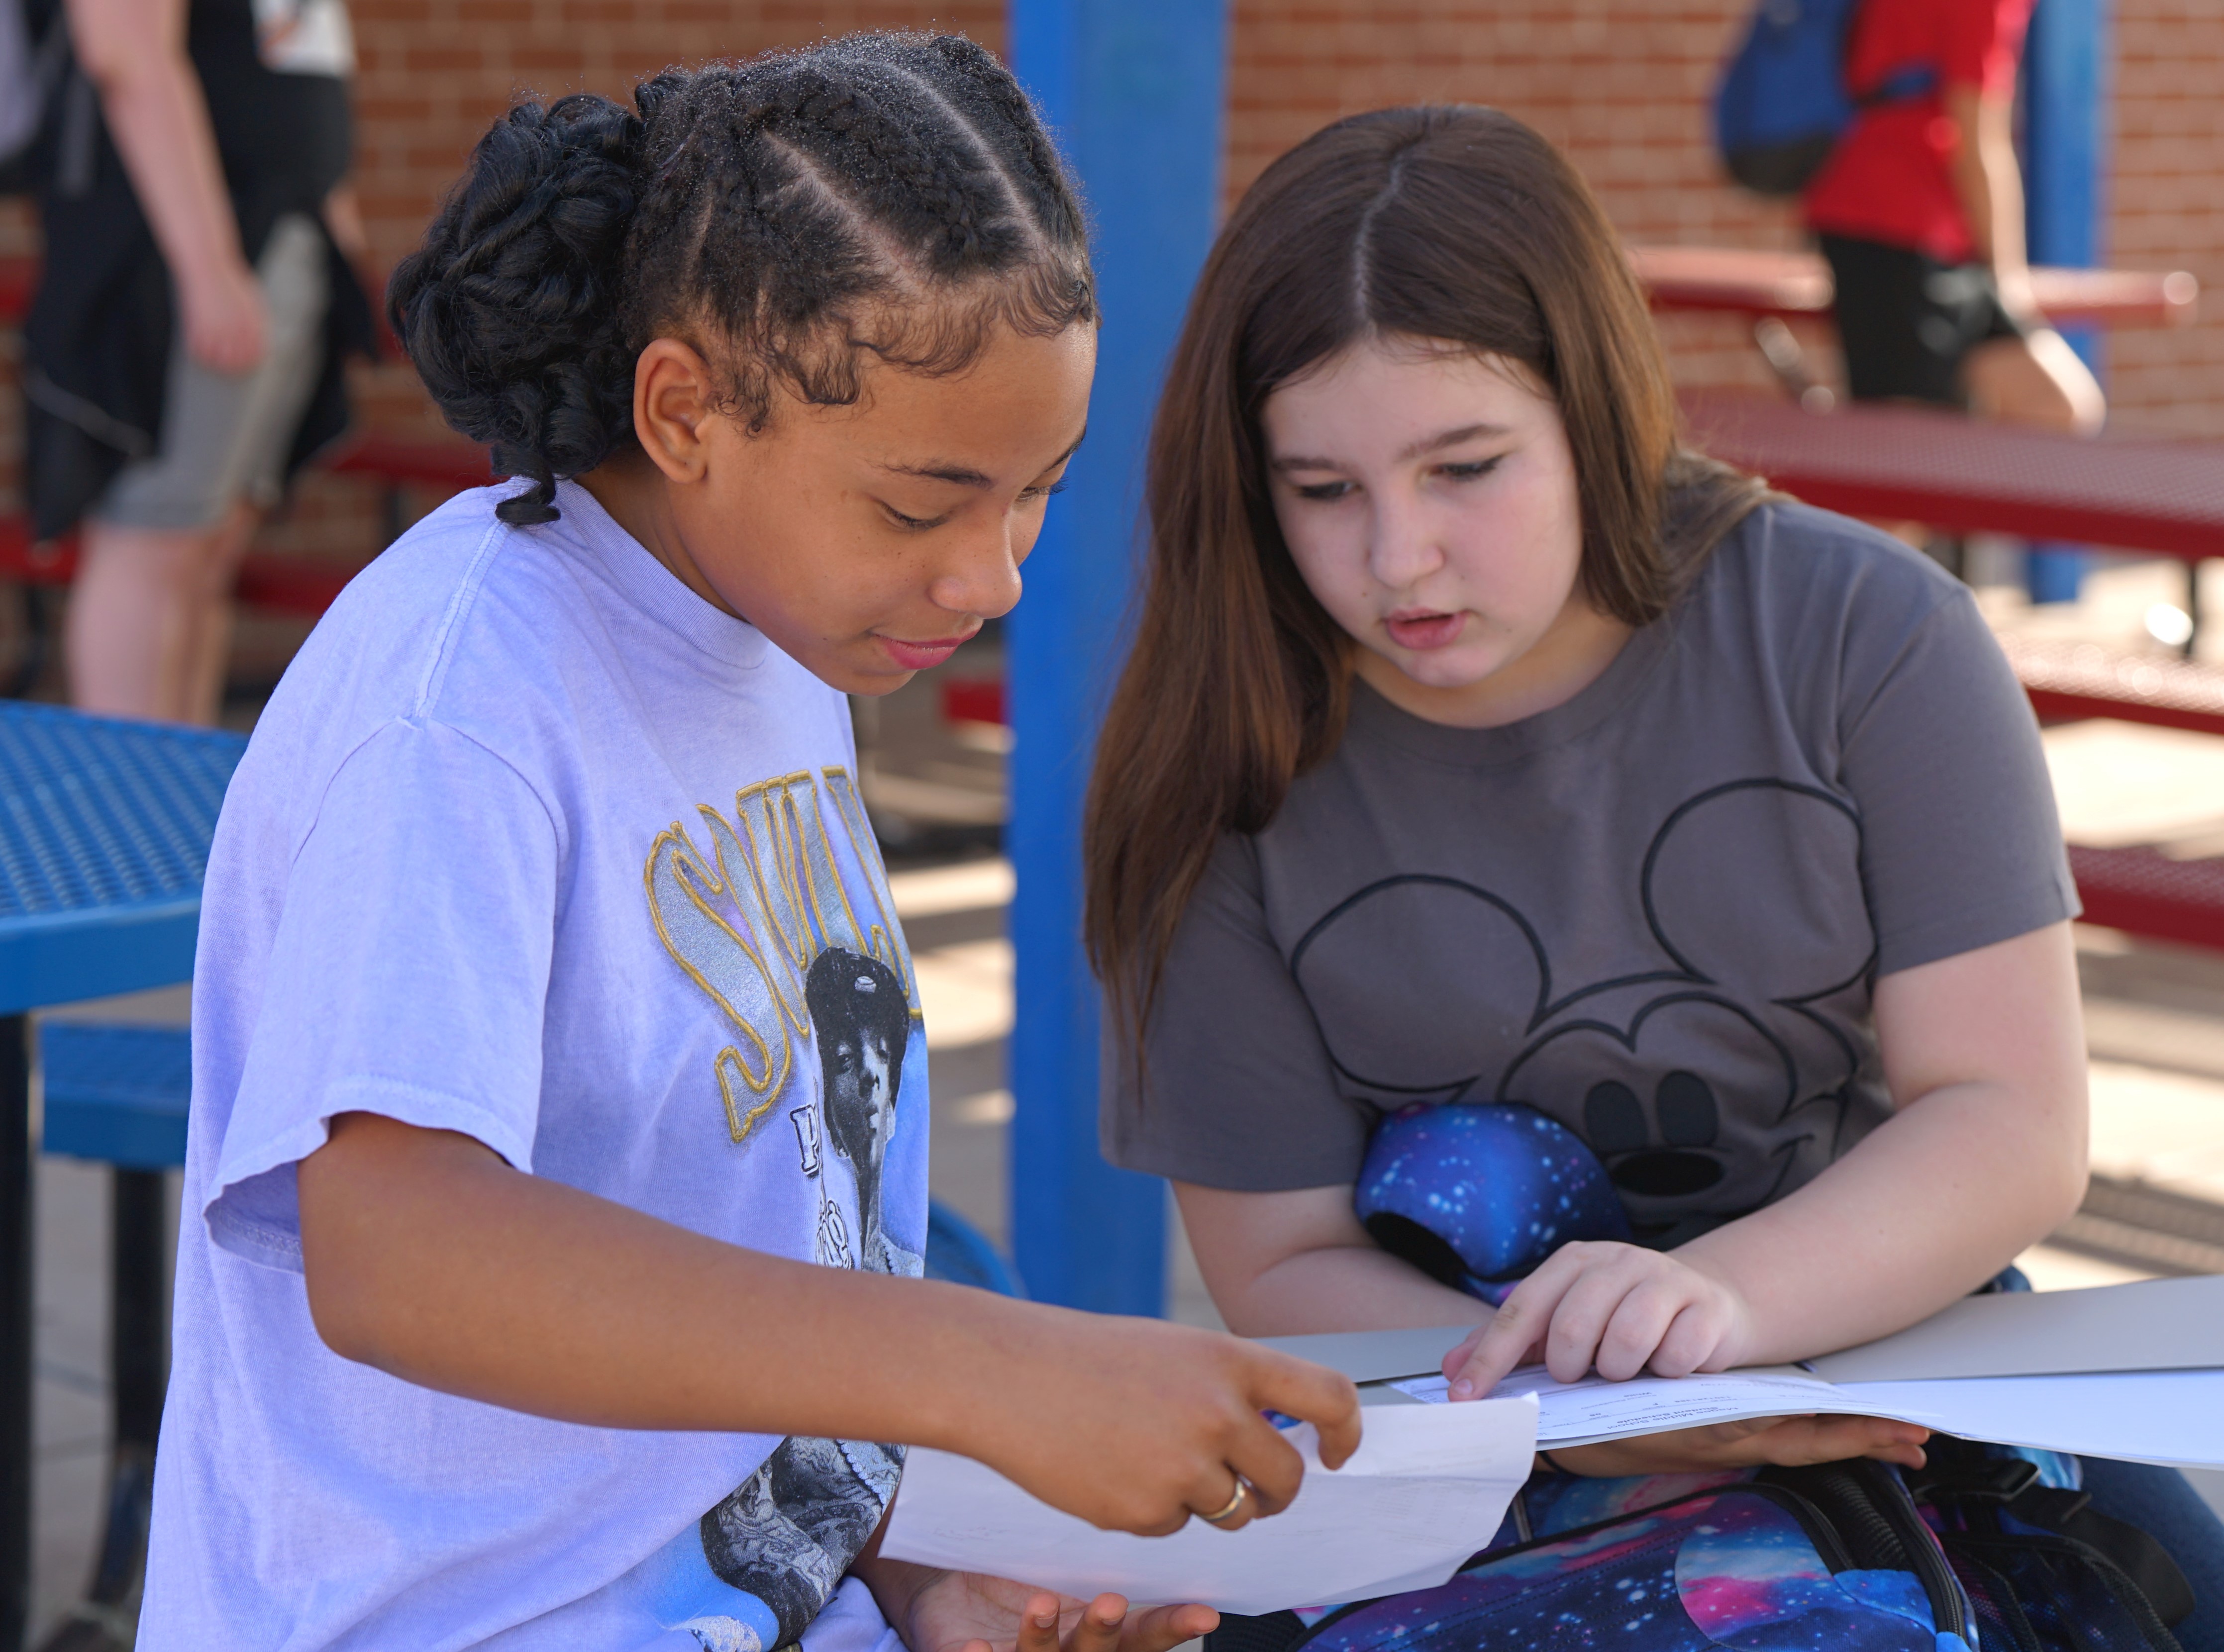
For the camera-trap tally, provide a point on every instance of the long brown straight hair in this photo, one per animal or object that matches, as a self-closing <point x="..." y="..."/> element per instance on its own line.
<point x="1452" y="226"/>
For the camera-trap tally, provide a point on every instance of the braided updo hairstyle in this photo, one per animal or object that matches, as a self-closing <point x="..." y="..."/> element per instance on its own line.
<point x="890" y="195"/>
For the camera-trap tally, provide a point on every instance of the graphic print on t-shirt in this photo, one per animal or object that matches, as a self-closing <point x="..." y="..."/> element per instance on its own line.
<point x="784" y="920"/>
<point x="1446" y="993"/>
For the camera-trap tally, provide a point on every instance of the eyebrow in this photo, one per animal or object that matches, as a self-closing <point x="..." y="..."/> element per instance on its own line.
<point x="965" y="476"/>
<point x="1412" y="450"/>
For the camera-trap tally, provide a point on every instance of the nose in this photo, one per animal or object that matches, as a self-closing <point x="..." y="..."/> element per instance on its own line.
<point x="1402" y="547"/>
<point x="982" y="574"/>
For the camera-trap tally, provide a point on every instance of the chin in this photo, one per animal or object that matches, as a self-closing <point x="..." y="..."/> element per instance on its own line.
<point x="1449" y="675"/>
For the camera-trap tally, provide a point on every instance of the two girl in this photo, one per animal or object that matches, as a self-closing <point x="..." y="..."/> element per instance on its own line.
<point x="1531" y="866"/>
<point x="559" y="1138"/>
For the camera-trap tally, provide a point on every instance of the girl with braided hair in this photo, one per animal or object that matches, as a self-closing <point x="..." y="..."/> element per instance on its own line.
<point x="538" y="1285"/>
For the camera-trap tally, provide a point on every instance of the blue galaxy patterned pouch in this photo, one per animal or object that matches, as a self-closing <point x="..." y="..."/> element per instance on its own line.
<point x="1792" y="1560"/>
<point x="1476" y="1196"/>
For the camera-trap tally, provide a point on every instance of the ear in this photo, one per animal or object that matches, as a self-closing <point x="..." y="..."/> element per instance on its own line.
<point x="673" y="401"/>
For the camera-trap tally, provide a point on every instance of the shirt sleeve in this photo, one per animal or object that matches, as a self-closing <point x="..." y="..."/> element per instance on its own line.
<point x="1961" y="844"/>
<point x="1982" y="42"/>
<point x="1236" y="1088"/>
<point x="407" y="975"/>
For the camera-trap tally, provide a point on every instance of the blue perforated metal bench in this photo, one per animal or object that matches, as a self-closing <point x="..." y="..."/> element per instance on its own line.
<point x="105" y="827"/>
<point x="117" y="1095"/>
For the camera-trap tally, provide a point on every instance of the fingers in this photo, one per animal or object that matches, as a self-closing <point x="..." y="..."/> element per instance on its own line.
<point x="1788" y="1442"/>
<point x="1312" y="1394"/>
<point x="1232" y="1507"/>
<point x="1163" y="1627"/>
<point x="1617" y="1308"/>
<point x="1798" y="1441"/>
<point x="1272" y="1466"/>
<point x="1101" y="1628"/>
<point x="1038" y="1622"/>
<point x="1518" y="1326"/>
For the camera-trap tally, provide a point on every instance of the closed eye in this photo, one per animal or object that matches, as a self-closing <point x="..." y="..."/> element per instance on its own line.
<point x="1043" y="491"/>
<point x="913" y="524"/>
<point x="1468" y="469"/>
<point x="1323" y="489"/>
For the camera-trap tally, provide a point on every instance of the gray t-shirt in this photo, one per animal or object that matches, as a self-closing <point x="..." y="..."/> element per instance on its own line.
<point x="1655" y="912"/>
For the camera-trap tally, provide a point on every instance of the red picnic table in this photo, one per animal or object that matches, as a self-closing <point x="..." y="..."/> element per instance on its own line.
<point x="1790" y="286"/>
<point x="2137" y="493"/>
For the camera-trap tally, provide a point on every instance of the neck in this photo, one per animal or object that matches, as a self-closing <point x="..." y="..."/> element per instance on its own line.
<point x="639" y="500"/>
<point x="1572" y="655"/>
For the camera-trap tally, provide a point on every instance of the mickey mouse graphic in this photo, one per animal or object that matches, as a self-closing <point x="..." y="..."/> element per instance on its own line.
<point x="1716" y="1058"/>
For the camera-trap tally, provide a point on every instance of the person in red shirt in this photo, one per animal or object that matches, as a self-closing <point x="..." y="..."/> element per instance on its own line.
<point x="1919" y="211"/>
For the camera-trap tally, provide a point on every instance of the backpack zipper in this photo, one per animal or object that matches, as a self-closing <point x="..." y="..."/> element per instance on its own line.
<point x="1888" y="1494"/>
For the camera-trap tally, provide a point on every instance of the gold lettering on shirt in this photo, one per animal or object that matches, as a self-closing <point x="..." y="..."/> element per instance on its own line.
<point x="746" y="912"/>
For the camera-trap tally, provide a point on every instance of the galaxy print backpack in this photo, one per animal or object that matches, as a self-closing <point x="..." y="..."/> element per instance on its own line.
<point x="1987" y="1549"/>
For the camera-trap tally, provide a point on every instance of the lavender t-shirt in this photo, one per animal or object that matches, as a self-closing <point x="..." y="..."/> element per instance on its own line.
<point x="533" y="844"/>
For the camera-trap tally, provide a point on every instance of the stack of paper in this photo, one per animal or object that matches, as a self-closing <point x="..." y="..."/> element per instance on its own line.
<point x="2133" y="1372"/>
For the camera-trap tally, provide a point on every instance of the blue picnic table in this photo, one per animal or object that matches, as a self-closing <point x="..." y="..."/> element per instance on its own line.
<point x="104" y="828"/>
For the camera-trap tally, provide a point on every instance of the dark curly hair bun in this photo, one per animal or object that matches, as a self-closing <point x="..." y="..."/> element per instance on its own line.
<point x="890" y="196"/>
<point x="510" y="308"/>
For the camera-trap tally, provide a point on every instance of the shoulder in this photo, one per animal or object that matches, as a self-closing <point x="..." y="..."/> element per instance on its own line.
<point x="1797" y="575"/>
<point x="461" y="602"/>
<point x="461" y="587"/>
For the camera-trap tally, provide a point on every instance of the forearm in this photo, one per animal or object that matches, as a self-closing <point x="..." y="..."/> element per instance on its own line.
<point x="1923" y="1211"/>
<point x="1345" y="1288"/>
<point x="449" y="1269"/>
<point x="1989" y="183"/>
<point x="1291" y="1263"/>
<point x="135" y="54"/>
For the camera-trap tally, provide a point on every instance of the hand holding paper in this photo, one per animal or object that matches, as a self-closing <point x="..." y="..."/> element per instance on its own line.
<point x="1427" y="1488"/>
<point x="1136" y="1424"/>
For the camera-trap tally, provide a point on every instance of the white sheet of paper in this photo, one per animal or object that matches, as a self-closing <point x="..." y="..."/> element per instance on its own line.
<point x="2175" y="1417"/>
<point x="1584" y="1413"/>
<point x="1426" y="1490"/>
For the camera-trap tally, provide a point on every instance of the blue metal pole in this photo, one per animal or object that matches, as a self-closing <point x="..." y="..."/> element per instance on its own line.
<point x="1135" y="92"/>
<point x="2065" y="74"/>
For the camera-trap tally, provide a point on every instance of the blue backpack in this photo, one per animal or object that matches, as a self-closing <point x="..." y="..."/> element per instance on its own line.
<point x="1784" y="102"/>
<point x="1987" y="1551"/>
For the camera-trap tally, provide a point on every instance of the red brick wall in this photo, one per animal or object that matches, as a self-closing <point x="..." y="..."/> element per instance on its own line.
<point x="2167" y="205"/>
<point x="1621" y="83"/>
<point x="1623" y="86"/>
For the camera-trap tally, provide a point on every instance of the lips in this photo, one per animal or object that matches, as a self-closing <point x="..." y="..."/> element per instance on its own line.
<point x="1421" y="632"/>
<point x="920" y="656"/>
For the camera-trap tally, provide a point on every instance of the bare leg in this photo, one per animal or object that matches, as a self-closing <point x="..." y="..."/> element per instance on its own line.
<point x="2037" y="381"/>
<point x="210" y="649"/>
<point x="138" y="619"/>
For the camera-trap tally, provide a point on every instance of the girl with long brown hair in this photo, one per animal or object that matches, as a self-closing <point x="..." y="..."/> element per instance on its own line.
<point x="1540" y="879"/>
<point x="1531" y="865"/>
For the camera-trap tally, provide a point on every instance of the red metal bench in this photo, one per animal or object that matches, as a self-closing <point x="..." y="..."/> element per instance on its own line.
<point x="2137" y="494"/>
<point x="1793" y="285"/>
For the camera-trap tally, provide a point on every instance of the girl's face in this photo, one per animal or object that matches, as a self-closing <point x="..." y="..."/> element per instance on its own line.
<point x="1429" y="499"/>
<point x="867" y="542"/>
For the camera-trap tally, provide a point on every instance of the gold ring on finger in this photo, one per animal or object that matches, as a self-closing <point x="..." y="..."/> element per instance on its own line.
<point x="1234" y="1506"/>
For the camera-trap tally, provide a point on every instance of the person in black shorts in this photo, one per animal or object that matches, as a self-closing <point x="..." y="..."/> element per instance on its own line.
<point x="184" y="351"/>
<point x="1919" y="211"/>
